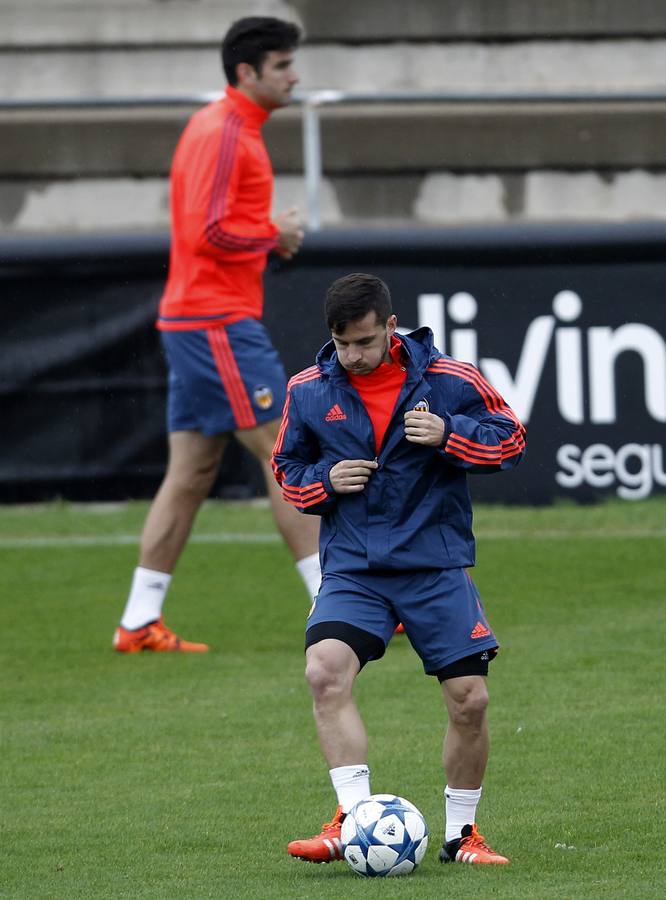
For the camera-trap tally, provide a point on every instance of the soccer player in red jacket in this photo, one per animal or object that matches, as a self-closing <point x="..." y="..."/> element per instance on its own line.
<point x="377" y="438"/>
<point x="225" y="376"/>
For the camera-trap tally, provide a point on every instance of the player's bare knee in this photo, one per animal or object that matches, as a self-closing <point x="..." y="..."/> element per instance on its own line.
<point x="194" y="481"/>
<point x="318" y="675"/>
<point x="475" y="707"/>
<point x="203" y="475"/>
<point x="468" y="707"/>
<point x="326" y="680"/>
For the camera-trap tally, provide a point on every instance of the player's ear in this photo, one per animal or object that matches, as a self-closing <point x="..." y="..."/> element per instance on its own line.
<point x="391" y="324"/>
<point x="246" y="73"/>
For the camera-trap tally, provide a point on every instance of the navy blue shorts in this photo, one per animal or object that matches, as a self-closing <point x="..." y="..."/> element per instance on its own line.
<point x="440" y="609"/>
<point x="223" y="379"/>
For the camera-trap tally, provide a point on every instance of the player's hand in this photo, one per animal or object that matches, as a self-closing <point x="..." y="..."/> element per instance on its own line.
<point x="291" y="234"/>
<point x="350" y="476"/>
<point x="424" y="428"/>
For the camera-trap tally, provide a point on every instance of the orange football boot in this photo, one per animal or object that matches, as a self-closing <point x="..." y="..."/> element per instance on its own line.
<point x="324" y="847"/>
<point x="399" y="628"/>
<point x="156" y="637"/>
<point x="471" y="848"/>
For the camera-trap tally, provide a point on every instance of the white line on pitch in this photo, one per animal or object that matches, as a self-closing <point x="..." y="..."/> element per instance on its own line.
<point x="224" y="537"/>
<point x="118" y="540"/>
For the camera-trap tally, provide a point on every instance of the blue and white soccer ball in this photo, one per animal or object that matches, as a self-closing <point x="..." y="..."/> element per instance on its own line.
<point x="384" y="835"/>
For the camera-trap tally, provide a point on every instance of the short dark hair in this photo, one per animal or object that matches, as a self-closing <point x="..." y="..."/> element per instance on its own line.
<point x="249" y="40"/>
<point x="353" y="296"/>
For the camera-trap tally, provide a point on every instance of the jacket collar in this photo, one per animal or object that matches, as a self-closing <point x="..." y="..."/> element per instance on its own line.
<point x="417" y="345"/>
<point x="245" y="107"/>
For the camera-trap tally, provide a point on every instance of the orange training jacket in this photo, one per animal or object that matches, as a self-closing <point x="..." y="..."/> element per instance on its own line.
<point x="221" y="231"/>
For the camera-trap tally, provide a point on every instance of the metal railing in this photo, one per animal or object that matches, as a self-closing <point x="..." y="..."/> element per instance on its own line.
<point x="312" y="102"/>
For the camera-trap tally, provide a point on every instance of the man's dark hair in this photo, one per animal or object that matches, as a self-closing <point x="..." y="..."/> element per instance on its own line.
<point x="353" y="297"/>
<point x="249" y="40"/>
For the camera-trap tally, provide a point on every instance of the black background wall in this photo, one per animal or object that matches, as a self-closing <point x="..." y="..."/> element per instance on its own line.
<point x="567" y="322"/>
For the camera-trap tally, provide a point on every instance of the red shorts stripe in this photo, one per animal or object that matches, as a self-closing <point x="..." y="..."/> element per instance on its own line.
<point x="231" y="378"/>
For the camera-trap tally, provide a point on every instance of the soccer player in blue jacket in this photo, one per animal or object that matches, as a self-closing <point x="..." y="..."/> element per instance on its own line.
<point x="377" y="438"/>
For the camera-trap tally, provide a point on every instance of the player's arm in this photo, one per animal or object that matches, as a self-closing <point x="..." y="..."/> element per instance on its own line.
<point x="481" y="432"/>
<point x="214" y="199"/>
<point x="297" y="464"/>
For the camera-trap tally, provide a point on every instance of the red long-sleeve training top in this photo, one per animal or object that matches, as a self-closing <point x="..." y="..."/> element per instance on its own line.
<point x="221" y="231"/>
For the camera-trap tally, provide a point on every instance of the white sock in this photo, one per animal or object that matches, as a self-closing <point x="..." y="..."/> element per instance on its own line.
<point x="460" y="810"/>
<point x="146" y="597"/>
<point x="310" y="571"/>
<point x="351" y="784"/>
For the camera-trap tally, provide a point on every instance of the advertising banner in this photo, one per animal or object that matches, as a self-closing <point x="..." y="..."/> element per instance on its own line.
<point x="568" y="324"/>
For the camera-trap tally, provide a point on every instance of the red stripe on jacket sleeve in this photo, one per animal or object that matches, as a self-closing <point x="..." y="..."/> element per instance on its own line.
<point x="217" y="208"/>
<point x="299" y="496"/>
<point x="304" y="496"/>
<point x="466" y="449"/>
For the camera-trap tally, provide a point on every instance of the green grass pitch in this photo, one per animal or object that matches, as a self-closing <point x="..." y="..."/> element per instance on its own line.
<point x="185" y="776"/>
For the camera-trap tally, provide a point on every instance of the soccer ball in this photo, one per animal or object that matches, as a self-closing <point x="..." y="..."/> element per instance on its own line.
<point x="384" y="835"/>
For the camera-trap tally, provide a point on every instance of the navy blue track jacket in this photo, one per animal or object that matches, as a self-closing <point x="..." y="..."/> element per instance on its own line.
<point x="415" y="511"/>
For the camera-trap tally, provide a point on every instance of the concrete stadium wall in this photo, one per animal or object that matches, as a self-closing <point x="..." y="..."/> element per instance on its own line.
<point x="73" y="169"/>
<point x="68" y="22"/>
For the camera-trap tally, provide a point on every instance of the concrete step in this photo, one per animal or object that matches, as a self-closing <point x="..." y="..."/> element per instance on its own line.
<point x="76" y="23"/>
<point x="528" y="66"/>
<point x="435" y="198"/>
<point x="417" y="137"/>
<point x="34" y="23"/>
<point x="452" y="20"/>
<point x="499" y="136"/>
<point x="75" y="167"/>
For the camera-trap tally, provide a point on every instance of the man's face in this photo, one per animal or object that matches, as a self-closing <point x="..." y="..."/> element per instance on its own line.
<point x="272" y="87"/>
<point x="364" y="344"/>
